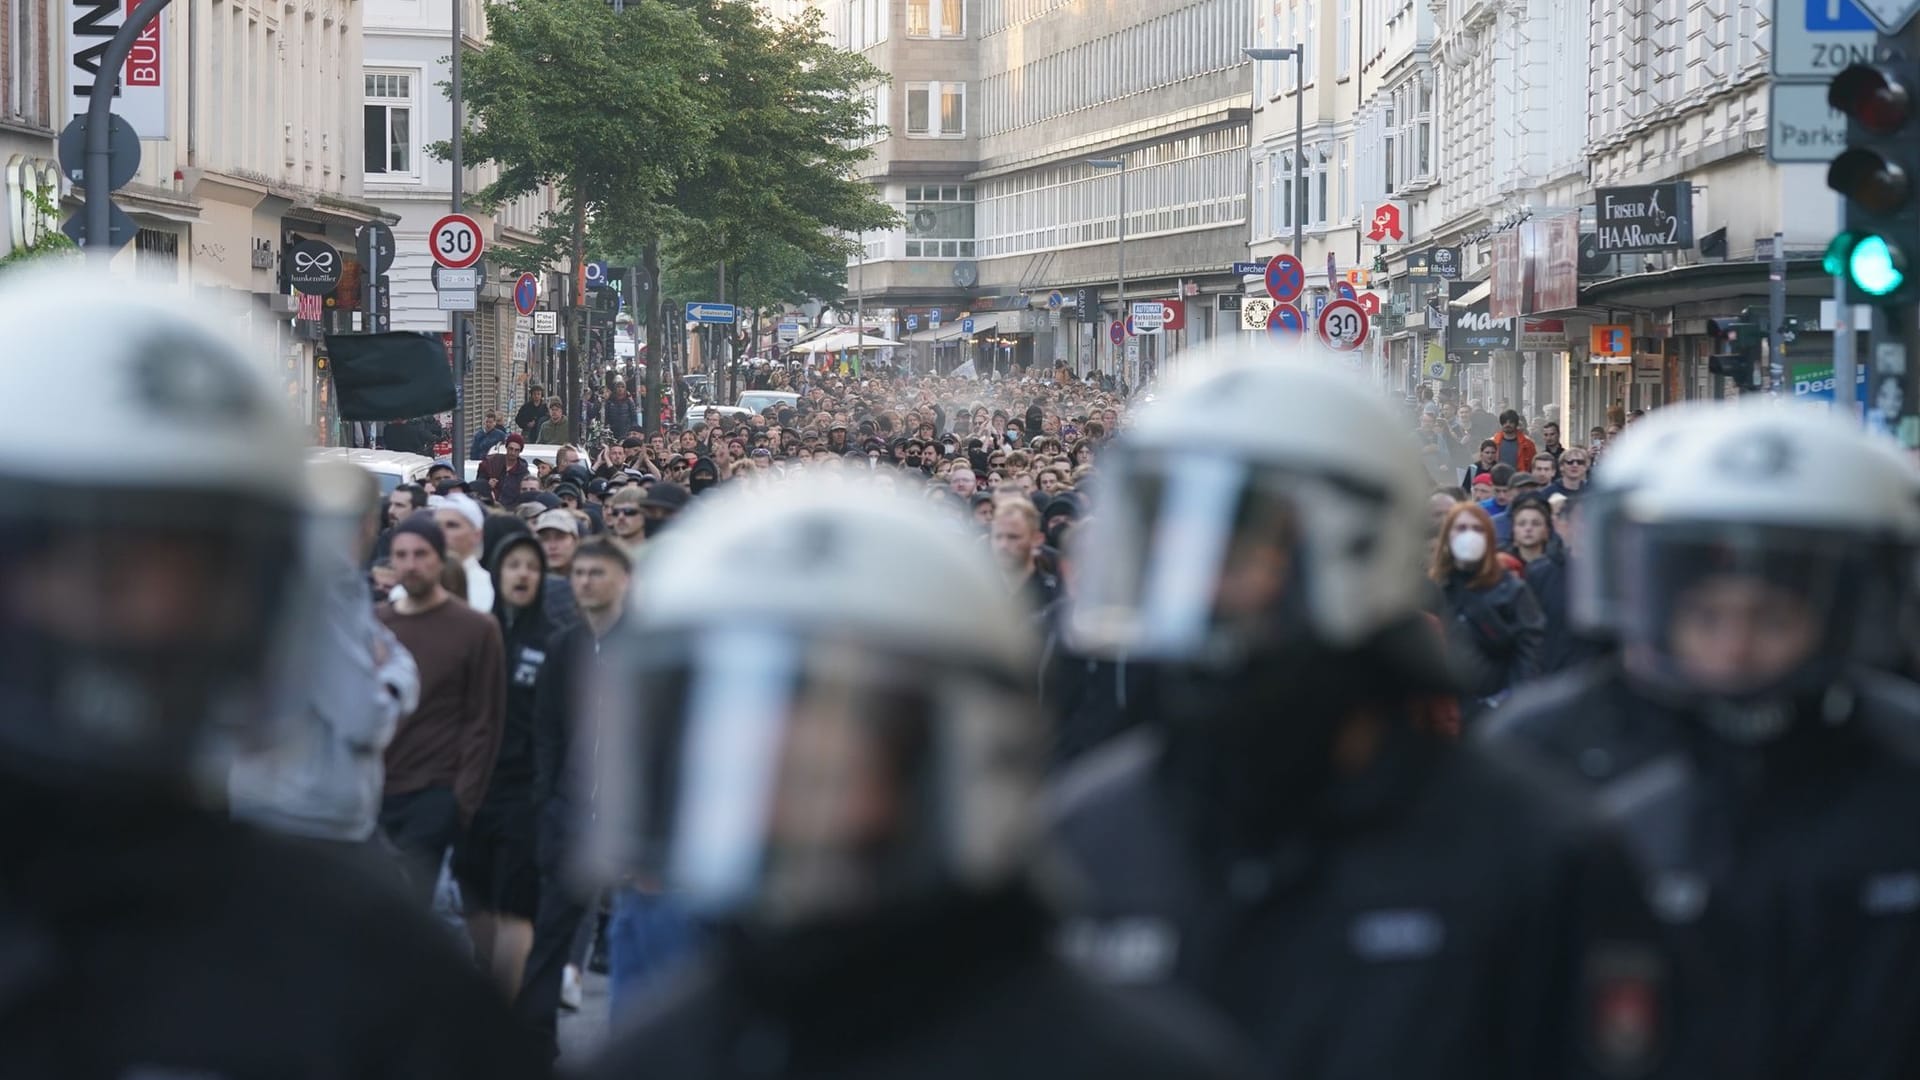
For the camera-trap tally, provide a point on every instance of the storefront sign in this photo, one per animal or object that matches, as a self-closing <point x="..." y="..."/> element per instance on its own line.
<point x="1543" y="335"/>
<point x="1557" y="272"/>
<point x="1610" y="344"/>
<point x="1655" y="217"/>
<point x="1473" y="329"/>
<point x="1507" y="296"/>
<point x="142" y="100"/>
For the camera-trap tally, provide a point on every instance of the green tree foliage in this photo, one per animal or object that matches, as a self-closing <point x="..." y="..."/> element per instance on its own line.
<point x="51" y="241"/>
<point x="608" y="107"/>
<point x="777" y="186"/>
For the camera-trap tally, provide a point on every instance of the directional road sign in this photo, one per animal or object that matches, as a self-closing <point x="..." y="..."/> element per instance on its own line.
<point x="374" y="242"/>
<point x="123" y="146"/>
<point x="1801" y="126"/>
<point x="1248" y="269"/>
<point x="1254" y="312"/>
<point x="456" y="241"/>
<point x="1286" y="321"/>
<point x="710" y="313"/>
<point x="1285" y="277"/>
<point x="546" y="322"/>
<point x="1343" y="325"/>
<point x="1817" y="38"/>
<point x="526" y="294"/>
<point x="120" y="227"/>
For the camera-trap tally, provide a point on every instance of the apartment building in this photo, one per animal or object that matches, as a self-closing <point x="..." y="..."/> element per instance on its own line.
<point x="404" y="110"/>
<point x="29" y="108"/>
<point x="997" y="110"/>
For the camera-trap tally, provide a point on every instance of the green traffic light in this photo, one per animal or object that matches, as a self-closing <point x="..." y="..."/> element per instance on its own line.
<point x="1834" y="262"/>
<point x="1875" y="267"/>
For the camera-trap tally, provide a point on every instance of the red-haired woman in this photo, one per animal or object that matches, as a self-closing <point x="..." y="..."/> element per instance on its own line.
<point x="1495" y="626"/>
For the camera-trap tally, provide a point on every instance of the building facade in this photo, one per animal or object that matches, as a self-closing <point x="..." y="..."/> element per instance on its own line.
<point x="1011" y="253"/>
<point x="1488" y="130"/>
<point x="404" y="110"/>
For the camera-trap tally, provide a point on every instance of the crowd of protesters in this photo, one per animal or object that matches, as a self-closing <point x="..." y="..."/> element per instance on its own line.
<point x="787" y="735"/>
<point x="531" y="541"/>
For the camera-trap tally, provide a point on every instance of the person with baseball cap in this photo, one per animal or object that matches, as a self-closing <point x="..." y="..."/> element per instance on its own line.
<point x="559" y="533"/>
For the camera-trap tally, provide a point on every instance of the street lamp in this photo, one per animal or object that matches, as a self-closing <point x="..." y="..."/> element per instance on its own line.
<point x="1298" y="55"/>
<point x="1120" y="277"/>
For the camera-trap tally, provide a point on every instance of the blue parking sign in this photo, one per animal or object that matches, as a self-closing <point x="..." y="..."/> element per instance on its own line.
<point x="1836" y="15"/>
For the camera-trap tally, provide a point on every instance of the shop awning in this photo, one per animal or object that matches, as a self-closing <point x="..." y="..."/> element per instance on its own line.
<point x="844" y="341"/>
<point x="955" y="330"/>
<point x="1474" y="295"/>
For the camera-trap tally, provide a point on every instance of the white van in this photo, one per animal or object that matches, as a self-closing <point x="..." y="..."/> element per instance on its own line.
<point x="391" y="467"/>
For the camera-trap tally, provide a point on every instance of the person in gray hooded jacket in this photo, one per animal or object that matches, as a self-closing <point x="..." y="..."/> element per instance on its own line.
<point x="323" y="781"/>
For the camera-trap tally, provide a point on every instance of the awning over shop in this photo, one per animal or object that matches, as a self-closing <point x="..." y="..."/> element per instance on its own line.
<point x="1474" y="295"/>
<point x="844" y="341"/>
<point x="955" y="331"/>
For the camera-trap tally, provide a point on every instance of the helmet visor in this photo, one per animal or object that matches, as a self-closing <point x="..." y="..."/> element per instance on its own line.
<point x="139" y="633"/>
<point x="1738" y="611"/>
<point x="1194" y="557"/>
<point x="774" y="778"/>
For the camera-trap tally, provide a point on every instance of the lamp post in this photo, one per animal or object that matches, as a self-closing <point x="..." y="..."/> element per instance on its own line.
<point x="1298" y="55"/>
<point x="1120" y="275"/>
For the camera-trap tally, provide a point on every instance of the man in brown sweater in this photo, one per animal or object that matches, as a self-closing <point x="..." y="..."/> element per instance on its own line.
<point x="442" y="755"/>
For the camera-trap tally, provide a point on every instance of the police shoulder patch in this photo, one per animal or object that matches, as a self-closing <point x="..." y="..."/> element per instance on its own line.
<point x="1625" y="996"/>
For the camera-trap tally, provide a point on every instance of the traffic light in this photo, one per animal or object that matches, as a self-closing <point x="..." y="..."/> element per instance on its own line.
<point x="1737" y="349"/>
<point x="1876" y="175"/>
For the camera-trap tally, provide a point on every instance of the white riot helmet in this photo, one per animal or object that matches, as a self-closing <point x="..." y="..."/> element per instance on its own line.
<point x="821" y="703"/>
<point x="1643" y="450"/>
<point x="1268" y="503"/>
<point x="1768" y="552"/>
<point x="154" y="481"/>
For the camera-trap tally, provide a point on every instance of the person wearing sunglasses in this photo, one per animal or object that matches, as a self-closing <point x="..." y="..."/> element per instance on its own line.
<point x="625" y="519"/>
<point x="1574" y="466"/>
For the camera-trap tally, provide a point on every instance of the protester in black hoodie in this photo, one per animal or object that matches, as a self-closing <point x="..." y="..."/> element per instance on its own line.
<point x="494" y="863"/>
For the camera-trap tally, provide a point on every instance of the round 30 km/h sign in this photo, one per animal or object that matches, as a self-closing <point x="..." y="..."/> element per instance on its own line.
<point x="456" y="241"/>
<point x="1343" y="325"/>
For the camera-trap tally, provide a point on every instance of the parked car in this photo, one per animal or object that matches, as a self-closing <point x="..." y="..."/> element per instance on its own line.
<point x="390" y="467"/>
<point x="759" y="401"/>
<point x="532" y="452"/>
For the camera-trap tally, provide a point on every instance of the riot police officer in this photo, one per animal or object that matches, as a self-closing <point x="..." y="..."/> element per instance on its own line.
<point x="147" y="615"/>
<point x="1362" y="899"/>
<point x="820" y="736"/>
<point x="1742" y="740"/>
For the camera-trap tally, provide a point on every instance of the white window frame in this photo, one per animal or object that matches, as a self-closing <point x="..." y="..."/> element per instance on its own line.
<point x="937" y="11"/>
<point x="936" y="92"/>
<point x="415" y="76"/>
<point x="1310" y="37"/>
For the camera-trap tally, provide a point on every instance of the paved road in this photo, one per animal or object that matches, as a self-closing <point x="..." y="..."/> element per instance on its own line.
<point x="582" y="1031"/>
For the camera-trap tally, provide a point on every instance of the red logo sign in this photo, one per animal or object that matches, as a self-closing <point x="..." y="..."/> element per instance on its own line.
<point x="1387" y="225"/>
<point x="143" y="63"/>
<point x="1173" y="314"/>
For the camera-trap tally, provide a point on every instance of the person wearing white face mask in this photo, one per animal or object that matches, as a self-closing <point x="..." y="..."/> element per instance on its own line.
<point x="1494" y="624"/>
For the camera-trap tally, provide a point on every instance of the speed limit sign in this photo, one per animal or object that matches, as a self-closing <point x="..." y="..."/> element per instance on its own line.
<point x="455" y="241"/>
<point x="1343" y="325"/>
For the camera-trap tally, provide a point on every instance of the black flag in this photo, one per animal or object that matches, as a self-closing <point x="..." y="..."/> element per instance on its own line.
<point x="390" y="376"/>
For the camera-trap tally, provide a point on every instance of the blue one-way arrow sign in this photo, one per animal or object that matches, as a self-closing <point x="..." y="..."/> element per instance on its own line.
<point x="710" y="313"/>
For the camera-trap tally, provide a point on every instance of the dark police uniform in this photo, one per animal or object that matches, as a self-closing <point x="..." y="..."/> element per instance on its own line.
<point x="1442" y="917"/>
<point x="1790" y="866"/>
<point x="974" y="995"/>
<point x="185" y="946"/>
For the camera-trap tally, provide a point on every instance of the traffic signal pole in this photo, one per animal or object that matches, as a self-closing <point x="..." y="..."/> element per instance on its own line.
<point x="1843" y="330"/>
